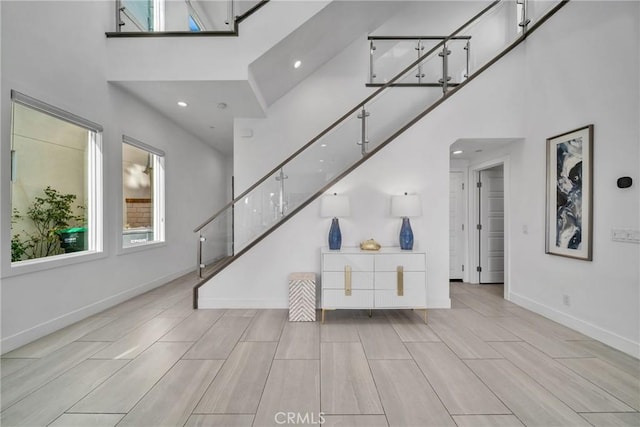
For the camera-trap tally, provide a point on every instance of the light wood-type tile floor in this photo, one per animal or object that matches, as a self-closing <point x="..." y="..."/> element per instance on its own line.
<point x="154" y="361"/>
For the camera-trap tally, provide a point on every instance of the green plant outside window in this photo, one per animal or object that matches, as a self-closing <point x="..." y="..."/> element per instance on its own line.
<point x="49" y="185"/>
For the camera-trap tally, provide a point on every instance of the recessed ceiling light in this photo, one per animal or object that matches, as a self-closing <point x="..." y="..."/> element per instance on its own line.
<point x="297" y="64"/>
<point x="323" y="145"/>
<point x="182" y="103"/>
<point x="457" y="152"/>
<point x="222" y="105"/>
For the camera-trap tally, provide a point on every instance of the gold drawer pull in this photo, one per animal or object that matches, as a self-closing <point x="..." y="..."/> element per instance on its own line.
<point x="347" y="280"/>
<point x="400" y="280"/>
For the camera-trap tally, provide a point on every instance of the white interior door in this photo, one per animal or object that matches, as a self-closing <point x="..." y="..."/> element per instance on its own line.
<point x="491" y="230"/>
<point x="456" y="225"/>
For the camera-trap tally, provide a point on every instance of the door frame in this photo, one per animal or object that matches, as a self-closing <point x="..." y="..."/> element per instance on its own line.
<point x="465" y="218"/>
<point x="472" y="235"/>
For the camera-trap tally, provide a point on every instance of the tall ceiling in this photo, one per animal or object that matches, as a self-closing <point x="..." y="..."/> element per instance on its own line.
<point x="203" y="116"/>
<point x="317" y="41"/>
<point x="473" y="147"/>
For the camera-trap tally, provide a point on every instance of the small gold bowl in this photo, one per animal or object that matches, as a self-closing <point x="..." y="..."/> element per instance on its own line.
<point x="370" y="245"/>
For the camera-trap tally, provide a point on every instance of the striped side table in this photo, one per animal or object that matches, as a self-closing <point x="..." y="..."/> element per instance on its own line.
<point x="302" y="297"/>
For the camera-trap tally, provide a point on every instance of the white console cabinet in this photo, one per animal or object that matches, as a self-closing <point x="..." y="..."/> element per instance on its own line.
<point x="384" y="279"/>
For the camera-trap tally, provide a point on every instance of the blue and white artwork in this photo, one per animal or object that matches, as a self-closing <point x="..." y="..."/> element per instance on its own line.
<point x="569" y="194"/>
<point x="569" y="198"/>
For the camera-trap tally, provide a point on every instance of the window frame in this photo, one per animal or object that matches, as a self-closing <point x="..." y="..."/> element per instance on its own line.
<point x="159" y="194"/>
<point x="95" y="199"/>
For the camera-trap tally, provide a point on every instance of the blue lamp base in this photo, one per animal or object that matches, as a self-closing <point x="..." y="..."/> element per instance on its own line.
<point x="335" y="236"/>
<point x="406" y="235"/>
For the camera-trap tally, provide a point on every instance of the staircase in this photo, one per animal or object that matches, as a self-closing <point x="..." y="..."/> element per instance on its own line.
<point x="372" y="124"/>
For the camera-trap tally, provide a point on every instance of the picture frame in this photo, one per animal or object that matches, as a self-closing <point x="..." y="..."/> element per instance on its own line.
<point x="569" y="195"/>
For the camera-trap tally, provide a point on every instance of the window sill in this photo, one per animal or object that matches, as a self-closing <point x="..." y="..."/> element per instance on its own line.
<point x="48" y="263"/>
<point x="141" y="247"/>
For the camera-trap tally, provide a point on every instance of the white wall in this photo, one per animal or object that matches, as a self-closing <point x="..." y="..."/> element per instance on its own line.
<point x="431" y="18"/>
<point x="565" y="67"/>
<point x="64" y="65"/>
<point x="569" y="70"/>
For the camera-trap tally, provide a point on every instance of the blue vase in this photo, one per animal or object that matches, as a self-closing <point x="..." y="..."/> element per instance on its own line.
<point x="406" y="235"/>
<point x="335" y="236"/>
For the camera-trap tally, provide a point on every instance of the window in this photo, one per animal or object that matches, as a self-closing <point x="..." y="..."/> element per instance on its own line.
<point x="56" y="182"/>
<point x="143" y="193"/>
<point x="146" y="15"/>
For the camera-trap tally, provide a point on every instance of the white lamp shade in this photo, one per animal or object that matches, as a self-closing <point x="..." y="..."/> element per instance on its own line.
<point x="406" y="205"/>
<point x="335" y="206"/>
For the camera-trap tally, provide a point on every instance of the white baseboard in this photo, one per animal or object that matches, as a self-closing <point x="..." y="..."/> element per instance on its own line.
<point x="610" y="338"/>
<point x="204" y="302"/>
<point x="25" y="337"/>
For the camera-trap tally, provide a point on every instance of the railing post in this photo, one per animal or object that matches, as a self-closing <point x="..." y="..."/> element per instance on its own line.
<point x="363" y="142"/>
<point x="201" y="266"/>
<point x="420" y="74"/>
<point x="230" y="18"/>
<point x="372" y="48"/>
<point x="444" y="81"/>
<point x="467" y="47"/>
<point x="119" y="21"/>
<point x="524" y="15"/>
<point x="281" y="203"/>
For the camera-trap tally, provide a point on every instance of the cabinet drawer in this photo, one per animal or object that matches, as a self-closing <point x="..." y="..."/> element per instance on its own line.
<point x="337" y="262"/>
<point x="335" y="298"/>
<point x="414" y="297"/>
<point x="389" y="280"/>
<point x="359" y="280"/>
<point x="410" y="262"/>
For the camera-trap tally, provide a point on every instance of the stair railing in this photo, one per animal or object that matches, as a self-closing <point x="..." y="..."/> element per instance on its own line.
<point x="348" y="142"/>
<point x="389" y="54"/>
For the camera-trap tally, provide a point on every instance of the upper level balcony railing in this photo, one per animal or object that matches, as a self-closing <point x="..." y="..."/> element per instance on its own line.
<point x="182" y="17"/>
<point x="389" y="55"/>
<point x="365" y="129"/>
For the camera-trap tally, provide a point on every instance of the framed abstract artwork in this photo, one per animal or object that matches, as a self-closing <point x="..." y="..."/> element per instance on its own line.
<point x="569" y="224"/>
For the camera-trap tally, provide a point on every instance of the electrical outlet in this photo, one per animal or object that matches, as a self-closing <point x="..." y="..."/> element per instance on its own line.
<point x="566" y="300"/>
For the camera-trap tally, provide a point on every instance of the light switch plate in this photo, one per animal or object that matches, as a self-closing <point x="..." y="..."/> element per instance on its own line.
<point x="625" y="235"/>
<point x="618" y="235"/>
